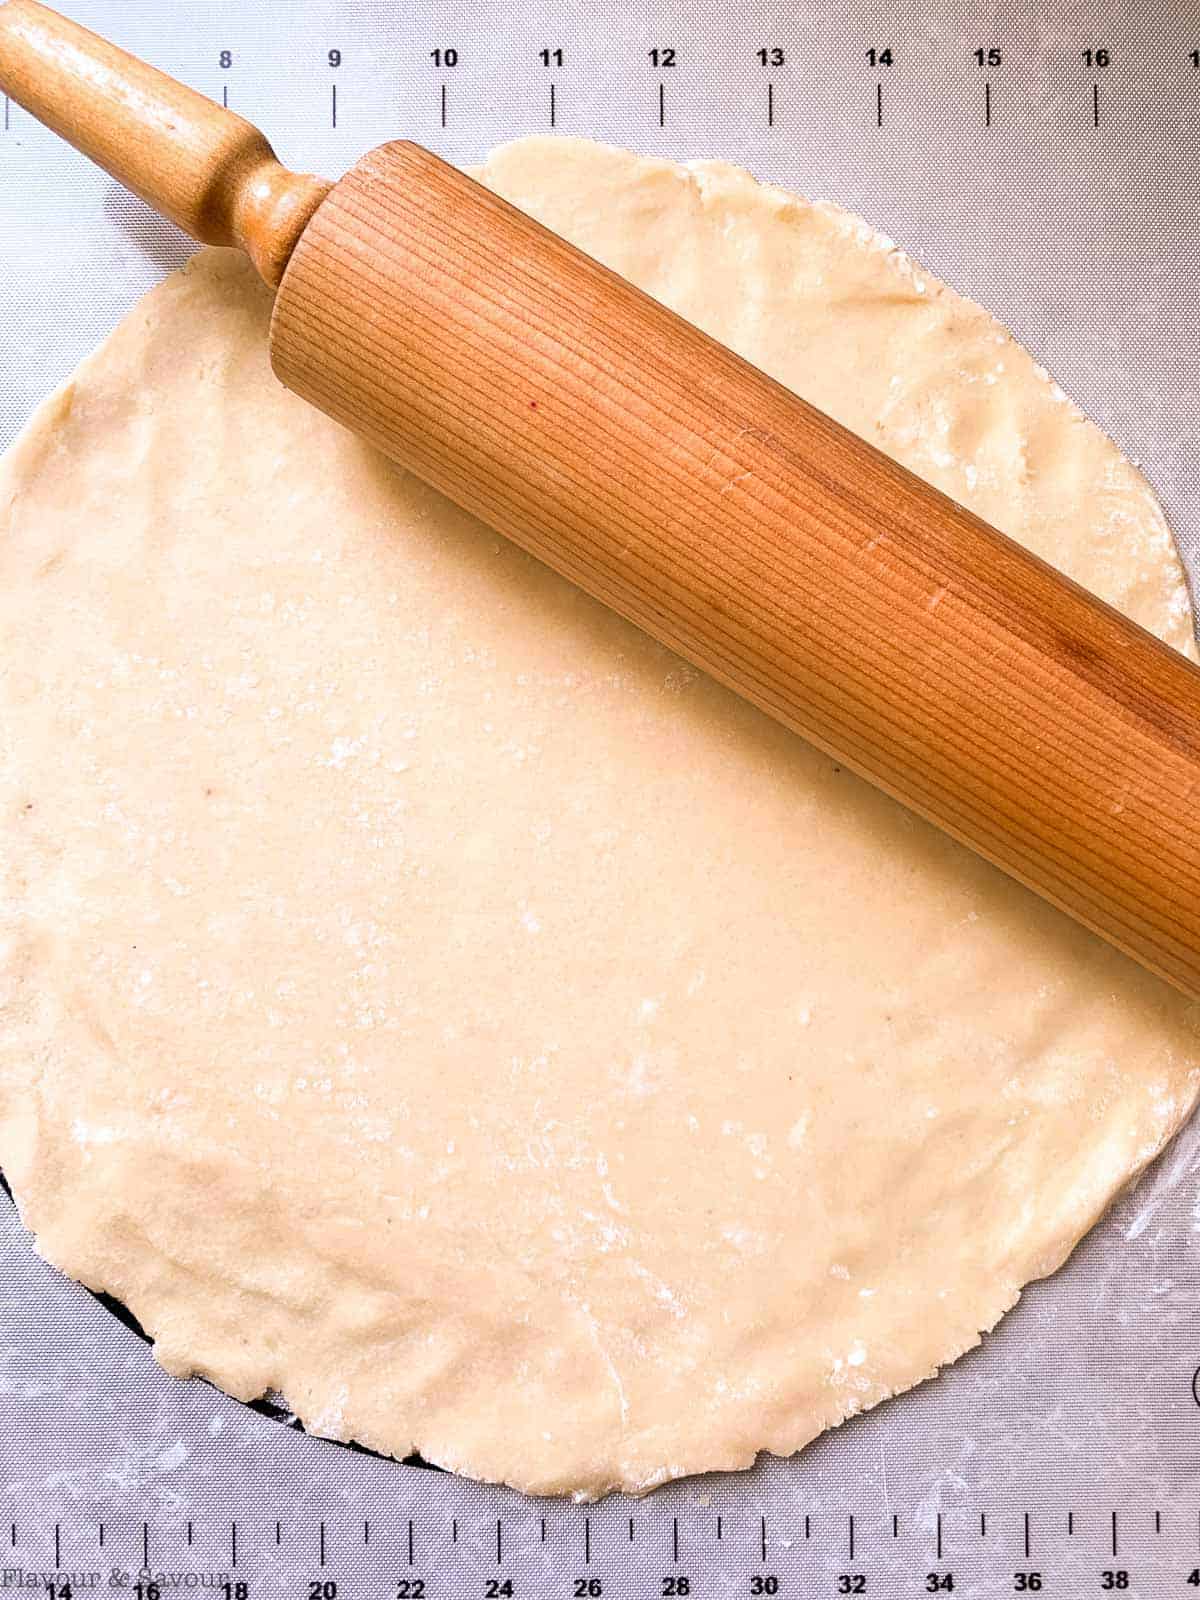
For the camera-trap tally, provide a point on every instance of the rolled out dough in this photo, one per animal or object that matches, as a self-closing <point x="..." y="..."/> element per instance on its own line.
<point x="427" y="997"/>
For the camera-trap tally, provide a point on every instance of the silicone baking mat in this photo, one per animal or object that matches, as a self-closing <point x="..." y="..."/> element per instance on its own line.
<point x="1043" y="161"/>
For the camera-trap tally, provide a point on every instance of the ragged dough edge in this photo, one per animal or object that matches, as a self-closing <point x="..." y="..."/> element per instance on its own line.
<point x="34" y="447"/>
<point x="326" y="1417"/>
<point x="716" y="183"/>
<point x="32" y="453"/>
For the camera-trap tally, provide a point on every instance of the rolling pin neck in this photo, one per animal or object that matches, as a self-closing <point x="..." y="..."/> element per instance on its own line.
<point x="266" y="210"/>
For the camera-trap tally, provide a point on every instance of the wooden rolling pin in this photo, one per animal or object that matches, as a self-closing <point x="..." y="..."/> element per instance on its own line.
<point x="681" y="486"/>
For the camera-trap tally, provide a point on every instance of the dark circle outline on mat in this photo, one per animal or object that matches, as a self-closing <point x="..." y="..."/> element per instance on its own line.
<point x="271" y="1409"/>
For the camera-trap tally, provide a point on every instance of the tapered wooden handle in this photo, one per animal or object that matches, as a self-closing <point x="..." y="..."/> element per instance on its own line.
<point x="766" y="543"/>
<point x="210" y="171"/>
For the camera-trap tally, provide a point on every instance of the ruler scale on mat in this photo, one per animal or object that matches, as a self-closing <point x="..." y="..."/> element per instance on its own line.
<point x="585" y="1553"/>
<point x="1044" y="162"/>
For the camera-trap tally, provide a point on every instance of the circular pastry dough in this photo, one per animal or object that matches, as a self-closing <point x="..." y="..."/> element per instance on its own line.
<point x="427" y="997"/>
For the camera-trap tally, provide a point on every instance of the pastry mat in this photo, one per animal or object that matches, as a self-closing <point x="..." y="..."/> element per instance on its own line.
<point x="1055" y="179"/>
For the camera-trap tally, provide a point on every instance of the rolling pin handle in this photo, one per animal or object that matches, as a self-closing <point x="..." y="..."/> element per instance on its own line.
<point x="207" y="169"/>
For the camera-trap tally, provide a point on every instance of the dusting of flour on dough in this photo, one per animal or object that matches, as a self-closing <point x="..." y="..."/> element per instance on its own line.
<point x="544" y="1060"/>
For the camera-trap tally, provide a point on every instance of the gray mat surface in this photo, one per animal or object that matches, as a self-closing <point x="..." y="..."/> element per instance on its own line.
<point x="1073" y="216"/>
